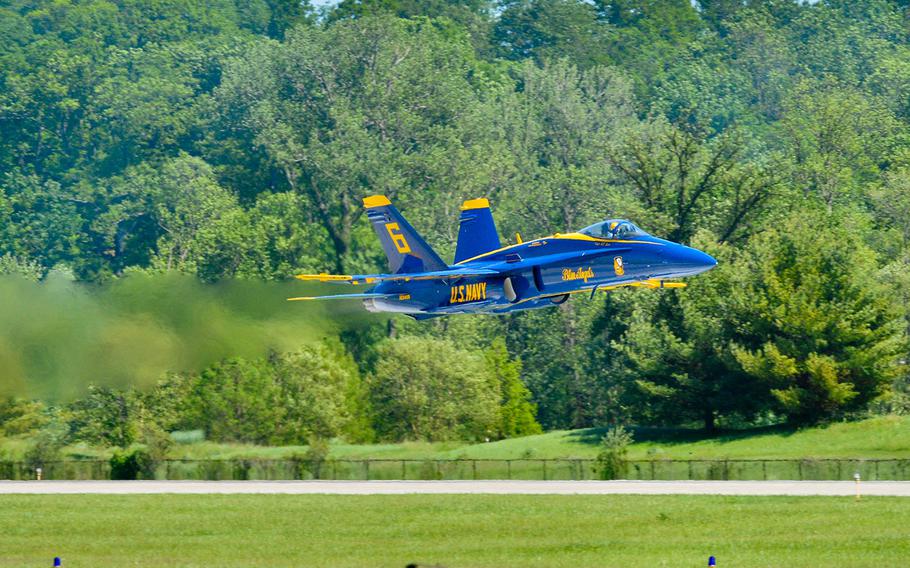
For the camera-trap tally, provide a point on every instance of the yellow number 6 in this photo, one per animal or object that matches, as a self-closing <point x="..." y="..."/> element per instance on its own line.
<point x="400" y="242"/>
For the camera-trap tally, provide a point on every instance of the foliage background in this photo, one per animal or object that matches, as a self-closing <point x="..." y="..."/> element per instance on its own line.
<point x="232" y="141"/>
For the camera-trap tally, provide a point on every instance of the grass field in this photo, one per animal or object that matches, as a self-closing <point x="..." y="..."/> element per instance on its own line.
<point x="882" y="437"/>
<point x="454" y="531"/>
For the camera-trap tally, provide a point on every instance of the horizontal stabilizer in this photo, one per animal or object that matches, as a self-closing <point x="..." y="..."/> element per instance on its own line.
<point x="341" y="297"/>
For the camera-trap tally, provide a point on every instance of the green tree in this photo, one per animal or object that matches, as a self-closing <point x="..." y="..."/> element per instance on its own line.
<point x="816" y="325"/>
<point x="686" y="182"/>
<point x="322" y="393"/>
<point x="235" y="401"/>
<point x="22" y="267"/>
<point x="560" y="129"/>
<point x="191" y="205"/>
<point x="798" y="323"/>
<point x="545" y="30"/>
<point x="104" y="417"/>
<point x="517" y="414"/>
<point x="285" y="399"/>
<point x="366" y="106"/>
<point x="19" y="416"/>
<point x="556" y="349"/>
<point x="673" y="359"/>
<point x="838" y="140"/>
<point x="38" y="220"/>
<point x="648" y="35"/>
<point x="473" y="15"/>
<point x="428" y="389"/>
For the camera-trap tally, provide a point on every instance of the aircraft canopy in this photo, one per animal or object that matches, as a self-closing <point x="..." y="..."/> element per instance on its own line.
<point x="613" y="229"/>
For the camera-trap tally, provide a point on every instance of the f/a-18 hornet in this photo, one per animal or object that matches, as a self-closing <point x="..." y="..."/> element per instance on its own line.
<point x="488" y="277"/>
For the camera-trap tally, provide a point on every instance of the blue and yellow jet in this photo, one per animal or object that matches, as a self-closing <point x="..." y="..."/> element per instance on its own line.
<point x="490" y="278"/>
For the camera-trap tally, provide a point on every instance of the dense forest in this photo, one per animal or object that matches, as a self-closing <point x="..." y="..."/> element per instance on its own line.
<point x="234" y="139"/>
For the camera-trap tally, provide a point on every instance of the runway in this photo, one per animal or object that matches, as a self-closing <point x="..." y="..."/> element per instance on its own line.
<point x="492" y="487"/>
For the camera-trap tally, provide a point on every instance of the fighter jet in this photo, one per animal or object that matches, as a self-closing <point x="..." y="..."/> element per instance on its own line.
<point x="489" y="278"/>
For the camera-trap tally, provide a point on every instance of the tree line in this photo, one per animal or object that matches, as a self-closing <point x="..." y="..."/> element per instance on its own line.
<point x="235" y="140"/>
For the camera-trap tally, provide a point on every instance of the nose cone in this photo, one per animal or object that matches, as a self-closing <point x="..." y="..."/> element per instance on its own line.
<point x="686" y="261"/>
<point x="702" y="260"/>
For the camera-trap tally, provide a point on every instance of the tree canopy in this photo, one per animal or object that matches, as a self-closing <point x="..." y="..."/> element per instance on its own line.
<point x="232" y="139"/>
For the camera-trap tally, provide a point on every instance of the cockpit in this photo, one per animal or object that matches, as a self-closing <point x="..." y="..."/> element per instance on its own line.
<point x="613" y="229"/>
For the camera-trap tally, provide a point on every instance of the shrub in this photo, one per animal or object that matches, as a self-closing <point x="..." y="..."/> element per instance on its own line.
<point x="133" y="463"/>
<point x="315" y="457"/>
<point x="611" y="461"/>
<point x="47" y="446"/>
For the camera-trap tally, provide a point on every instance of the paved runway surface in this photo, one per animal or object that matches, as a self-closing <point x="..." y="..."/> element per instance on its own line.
<point x="845" y="488"/>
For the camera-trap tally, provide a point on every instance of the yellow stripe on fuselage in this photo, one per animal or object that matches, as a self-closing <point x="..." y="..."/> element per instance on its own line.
<point x="567" y="236"/>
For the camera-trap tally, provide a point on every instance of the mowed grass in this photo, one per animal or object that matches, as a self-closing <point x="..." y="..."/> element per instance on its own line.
<point x="452" y="530"/>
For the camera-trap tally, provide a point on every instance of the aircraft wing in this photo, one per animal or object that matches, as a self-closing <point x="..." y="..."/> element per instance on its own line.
<point x="453" y="273"/>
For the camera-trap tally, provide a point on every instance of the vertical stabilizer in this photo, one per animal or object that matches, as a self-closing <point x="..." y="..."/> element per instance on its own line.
<point x="476" y="231"/>
<point x="406" y="250"/>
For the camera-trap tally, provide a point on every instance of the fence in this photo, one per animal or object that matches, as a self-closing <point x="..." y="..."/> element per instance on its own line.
<point x="534" y="469"/>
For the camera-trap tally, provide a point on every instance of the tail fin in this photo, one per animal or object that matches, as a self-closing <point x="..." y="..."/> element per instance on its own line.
<point x="406" y="250"/>
<point x="477" y="231"/>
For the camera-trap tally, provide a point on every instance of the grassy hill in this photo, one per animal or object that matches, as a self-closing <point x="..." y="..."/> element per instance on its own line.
<point x="881" y="437"/>
<point x="877" y="437"/>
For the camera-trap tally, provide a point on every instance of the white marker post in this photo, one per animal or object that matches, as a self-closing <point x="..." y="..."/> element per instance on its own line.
<point x="38" y="473"/>
<point x="856" y="478"/>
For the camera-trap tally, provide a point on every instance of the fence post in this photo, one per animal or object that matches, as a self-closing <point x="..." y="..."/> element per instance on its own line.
<point x="652" y="469"/>
<point x="474" y="469"/>
<point x="366" y="469"/>
<point x="800" y="470"/>
<point x="509" y="469"/>
<point x="876" y="469"/>
<point x="544" y="469"/>
<point x="689" y="468"/>
<point x="764" y="470"/>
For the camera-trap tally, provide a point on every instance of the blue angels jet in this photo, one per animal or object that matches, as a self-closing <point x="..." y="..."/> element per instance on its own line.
<point x="488" y="277"/>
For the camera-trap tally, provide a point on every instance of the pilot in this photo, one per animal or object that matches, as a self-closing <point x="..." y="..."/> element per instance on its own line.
<point x="610" y="232"/>
<point x="621" y="231"/>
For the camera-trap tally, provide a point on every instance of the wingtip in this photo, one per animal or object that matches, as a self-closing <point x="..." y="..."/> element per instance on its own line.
<point x="323" y="277"/>
<point x="376" y="201"/>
